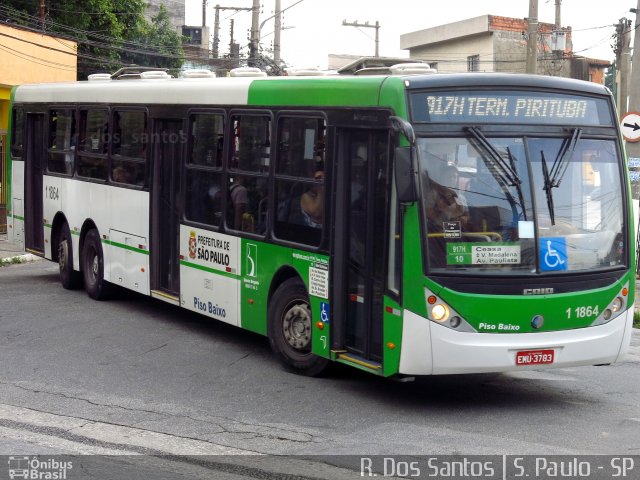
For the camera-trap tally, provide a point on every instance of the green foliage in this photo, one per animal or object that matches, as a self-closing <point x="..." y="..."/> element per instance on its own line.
<point x="636" y="319"/>
<point x="110" y="33"/>
<point x="610" y="78"/>
<point x="166" y="41"/>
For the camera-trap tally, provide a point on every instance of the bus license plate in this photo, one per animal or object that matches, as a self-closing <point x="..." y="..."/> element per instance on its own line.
<point x="534" y="357"/>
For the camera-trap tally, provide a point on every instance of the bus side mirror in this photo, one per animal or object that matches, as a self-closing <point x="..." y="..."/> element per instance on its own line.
<point x="406" y="174"/>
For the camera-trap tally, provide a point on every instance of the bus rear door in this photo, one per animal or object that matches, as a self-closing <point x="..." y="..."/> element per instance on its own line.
<point x="34" y="166"/>
<point x="165" y="209"/>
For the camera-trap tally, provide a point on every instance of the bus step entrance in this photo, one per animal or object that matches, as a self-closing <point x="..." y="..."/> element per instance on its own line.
<point x="167" y="297"/>
<point x="356" y="360"/>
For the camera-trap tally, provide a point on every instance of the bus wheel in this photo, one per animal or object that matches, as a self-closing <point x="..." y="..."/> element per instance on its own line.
<point x="93" y="266"/>
<point x="69" y="278"/>
<point x="289" y="329"/>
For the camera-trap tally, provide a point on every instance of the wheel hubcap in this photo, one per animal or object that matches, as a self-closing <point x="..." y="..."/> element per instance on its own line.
<point x="63" y="251"/>
<point x="296" y="326"/>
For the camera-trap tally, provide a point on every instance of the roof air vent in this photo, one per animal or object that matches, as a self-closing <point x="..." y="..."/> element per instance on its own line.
<point x="246" y="72"/>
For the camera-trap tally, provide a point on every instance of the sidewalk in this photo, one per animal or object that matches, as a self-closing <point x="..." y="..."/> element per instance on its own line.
<point x="10" y="253"/>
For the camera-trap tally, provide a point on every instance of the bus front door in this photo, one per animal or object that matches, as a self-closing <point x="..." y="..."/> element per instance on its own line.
<point x="358" y="257"/>
<point x="165" y="214"/>
<point x="34" y="165"/>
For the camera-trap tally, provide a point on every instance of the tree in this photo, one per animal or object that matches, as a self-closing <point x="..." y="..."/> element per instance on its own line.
<point x="167" y="43"/>
<point x="110" y="33"/>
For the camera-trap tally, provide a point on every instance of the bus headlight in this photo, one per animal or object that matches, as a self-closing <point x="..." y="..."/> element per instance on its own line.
<point x="614" y="309"/>
<point x="440" y="313"/>
<point x="616" y="305"/>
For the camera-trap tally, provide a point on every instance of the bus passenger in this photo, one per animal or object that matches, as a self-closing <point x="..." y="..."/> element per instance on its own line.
<point x="239" y="200"/>
<point x="312" y="201"/>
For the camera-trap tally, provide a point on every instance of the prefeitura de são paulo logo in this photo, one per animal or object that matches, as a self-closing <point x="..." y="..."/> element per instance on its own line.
<point x="192" y="244"/>
<point x="38" y="468"/>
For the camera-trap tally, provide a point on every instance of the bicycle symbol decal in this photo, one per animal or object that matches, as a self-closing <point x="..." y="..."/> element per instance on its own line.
<point x="324" y="312"/>
<point x="553" y="254"/>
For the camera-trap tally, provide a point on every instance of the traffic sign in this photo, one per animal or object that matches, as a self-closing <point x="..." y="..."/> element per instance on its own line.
<point x="630" y="126"/>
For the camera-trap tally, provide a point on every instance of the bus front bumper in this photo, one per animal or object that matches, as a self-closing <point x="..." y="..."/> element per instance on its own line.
<point x="431" y="349"/>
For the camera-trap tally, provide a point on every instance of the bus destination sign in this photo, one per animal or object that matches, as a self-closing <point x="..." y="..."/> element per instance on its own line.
<point x="509" y="107"/>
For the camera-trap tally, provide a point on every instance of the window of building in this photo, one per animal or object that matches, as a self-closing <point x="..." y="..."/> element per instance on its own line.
<point x="473" y="63"/>
<point x="301" y="202"/>
<point x="204" y="188"/>
<point x="248" y="173"/>
<point x="129" y="147"/>
<point x="93" y="143"/>
<point x="61" y="143"/>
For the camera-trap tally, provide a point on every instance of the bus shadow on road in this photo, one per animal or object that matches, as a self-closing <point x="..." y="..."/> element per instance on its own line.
<point x="527" y="389"/>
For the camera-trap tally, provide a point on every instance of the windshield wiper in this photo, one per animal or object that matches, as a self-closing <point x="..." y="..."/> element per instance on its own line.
<point x="506" y="172"/>
<point x="548" y="185"/>
<point x="513" y="161"/>
<point x="553" y="178"/>
<point x="561" y="162"/>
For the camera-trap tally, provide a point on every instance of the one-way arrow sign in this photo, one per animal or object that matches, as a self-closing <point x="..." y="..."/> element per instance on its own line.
<point x="630" y="126"/>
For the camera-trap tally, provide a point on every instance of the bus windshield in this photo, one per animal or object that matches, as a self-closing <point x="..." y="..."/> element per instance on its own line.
<point x="521" y="205"/>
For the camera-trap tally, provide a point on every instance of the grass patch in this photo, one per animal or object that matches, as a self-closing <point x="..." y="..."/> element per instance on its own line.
<point x="636" y="319"/>
<point x="11" y="261"/>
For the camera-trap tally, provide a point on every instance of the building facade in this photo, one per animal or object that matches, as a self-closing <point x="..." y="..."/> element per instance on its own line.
<point x="28" y="56"/>
<point x="491" y="43"/>
<point x="175" y="9"/>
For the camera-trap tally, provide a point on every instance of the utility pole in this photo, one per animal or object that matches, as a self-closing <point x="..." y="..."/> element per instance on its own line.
<point x="278" y="28"/>
<point x="623" y="59"/>
<point x="366" y="25"/>
<point x="216" y="26"/>
<point x="276" y="33"/>
<point x="558" y="14"/>
<point x="633" y="148"/>
<point x="204" y="13"/>
<point x="532" y="38"/>
<point x="254" y="39"/>
<point x="41" y="14"/>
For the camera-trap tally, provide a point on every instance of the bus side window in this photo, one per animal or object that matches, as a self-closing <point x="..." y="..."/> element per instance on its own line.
<point x="250" y="156"/>
<point x="204" y="188"/>
<point x="128" y="147"/>
<point x="93" y="143"/>
<point x="17" y="132"/>
<point x="60" y="148"/>
<point x="300" y="180"/>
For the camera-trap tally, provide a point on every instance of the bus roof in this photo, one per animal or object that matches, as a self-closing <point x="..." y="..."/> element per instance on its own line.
<point x="293" y="91"/>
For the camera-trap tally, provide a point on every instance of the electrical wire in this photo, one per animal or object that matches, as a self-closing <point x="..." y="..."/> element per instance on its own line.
<point x="51" y="23"/>
<point x="129" y="49"/>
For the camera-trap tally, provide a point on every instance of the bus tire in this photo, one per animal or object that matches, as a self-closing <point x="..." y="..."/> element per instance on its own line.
<point x="289" y="328"/>
<point x="93" y="266"/>
<point x="69" y="278"/>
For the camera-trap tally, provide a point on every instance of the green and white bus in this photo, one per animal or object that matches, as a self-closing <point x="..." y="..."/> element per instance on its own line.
<point x="404" y="225"/>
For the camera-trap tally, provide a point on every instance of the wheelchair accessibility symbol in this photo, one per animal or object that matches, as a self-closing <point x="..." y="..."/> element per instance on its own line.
<point x="553" y="254"/>
<point x="324" y="312"/>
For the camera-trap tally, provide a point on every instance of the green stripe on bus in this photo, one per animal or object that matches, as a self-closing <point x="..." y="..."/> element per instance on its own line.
<point x="18" y="217"/>
<point x="126" y="247"/>
<point x="209" y="270"/>
<point x="326" y="92"/>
